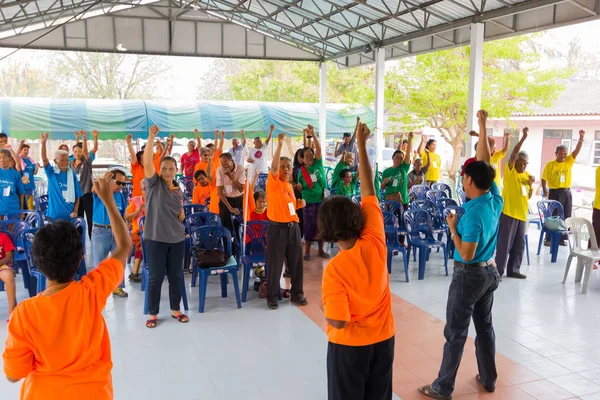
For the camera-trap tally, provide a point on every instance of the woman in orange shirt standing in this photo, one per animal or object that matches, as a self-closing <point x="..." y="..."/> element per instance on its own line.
<point x="356" y="293"/>
<point x="37" y="349"/>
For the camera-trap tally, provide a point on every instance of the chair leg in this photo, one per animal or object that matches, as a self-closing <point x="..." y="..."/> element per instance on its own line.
<point x="527" y="249"/>
<point x="567" y="267"/>
<point x="445" y="259"/>
<point x="580" y="267"/>
<point x="146" y="302"/>
<point x="554" y="242"/>
<point x="245" y="281"/>
<point x="184" y="292"/>
<point x="223" y="278"/>
<point x="541" y="241"/>
<point x="389" y="261"/>
<point x="236" y="288"/>
<point x="589" y="264"/>
<point x="422" y="262"/>
<point x="202" y="290"/>
<point x="405" y="260"/>
<point x="194" y="275"/>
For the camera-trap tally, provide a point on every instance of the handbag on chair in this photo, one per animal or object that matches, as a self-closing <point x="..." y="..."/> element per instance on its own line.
<point x="555" y="224"/>
<point x="209" y="258"/>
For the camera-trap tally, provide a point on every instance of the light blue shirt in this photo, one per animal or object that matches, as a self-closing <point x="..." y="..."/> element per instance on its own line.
<point x="479" y="224"/>
<point x="92" y="157"/>
<point x="100" y="212"/>
<point x="58" y="207"/>
<point x="29" y="171"/>
<point x="11" y="187"/>
<point x="237" y="154"/>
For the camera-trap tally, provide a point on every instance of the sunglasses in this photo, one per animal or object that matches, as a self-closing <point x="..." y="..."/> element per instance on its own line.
<point x="120" y="183"/>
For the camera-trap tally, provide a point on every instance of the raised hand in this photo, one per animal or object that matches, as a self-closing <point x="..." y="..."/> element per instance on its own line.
<point x="153" y="132"/>
<point x="95" y="134"/>
<point x="104" y="188"/>
<point x="482" y="115"/>
<point x="364" y="133"/>
<point x="506" y="135"/>
<point x="525" y="132"/>
<point x="581" y="134"/>
<point x="129" y="138"/>
<point x="411" y="135"/>
<point x="44" y="137"/>
<point x="77" y="134"/>
<point x="472" y="133"/>
<point x="280" y="137"/>
<point x="196" y="131"/>
<point x="272" y="127"/>
<point x="531" y="180"/>
<point x="83" y="134"/>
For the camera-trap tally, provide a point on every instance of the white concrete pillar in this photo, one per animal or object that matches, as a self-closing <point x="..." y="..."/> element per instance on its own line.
<point x="323" y="105"/>
<point x="379" y="101"/>
<point x="475" y="81"/>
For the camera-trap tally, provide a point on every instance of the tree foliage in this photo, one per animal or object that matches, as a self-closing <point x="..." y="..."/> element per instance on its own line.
<point x="108" y="75"/>
<point x="23" y="80"/>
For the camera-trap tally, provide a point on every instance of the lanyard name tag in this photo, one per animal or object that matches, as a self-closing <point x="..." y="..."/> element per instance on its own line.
<point x="6" y="191"/>
<point x="26" y="174"/>
<point x="395" y="182"/>
<point x="228" y="189"/>
<point x="292" y="208"/>
<point x="434" y="164"/>
<point x="64" y="194"/>
<point x="524" y="190"/>
<point x="313" y="177"/>
<point x="563" y="178"/>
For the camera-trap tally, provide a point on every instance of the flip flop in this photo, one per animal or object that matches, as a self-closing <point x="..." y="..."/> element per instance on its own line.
<point x="307" y="257"/>
<point x="151" y="323"/>
<point x="184" y="319"/>
<point x="429" y="392"/>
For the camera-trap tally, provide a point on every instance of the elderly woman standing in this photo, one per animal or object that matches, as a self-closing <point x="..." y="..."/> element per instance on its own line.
<point x="82" y="166"/>
<point x="163" y="232"/>
<point x="64" y="191"/>
<point x="12" y="191"/>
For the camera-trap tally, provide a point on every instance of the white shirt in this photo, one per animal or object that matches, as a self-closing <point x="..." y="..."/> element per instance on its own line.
<point x="224" y="181"/>
<point x="260" y="160"/>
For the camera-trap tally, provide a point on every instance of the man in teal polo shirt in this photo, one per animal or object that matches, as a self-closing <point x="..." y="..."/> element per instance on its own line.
<point x="475" y="277"/>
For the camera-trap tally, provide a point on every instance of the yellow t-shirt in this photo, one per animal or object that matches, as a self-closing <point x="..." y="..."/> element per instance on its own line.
<point x="597" y="197"/>
<point x="516" y="193"/>
<point x="435" y="166"/>
<point x="495" y="163"/>
<point x="558" y="175"/>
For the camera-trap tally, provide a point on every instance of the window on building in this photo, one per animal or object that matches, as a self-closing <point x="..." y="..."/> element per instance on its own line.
<point x="557" y="134"/>
<point x="596" y="149"/>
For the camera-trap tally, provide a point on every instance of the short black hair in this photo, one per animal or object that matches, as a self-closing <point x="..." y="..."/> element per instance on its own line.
<point x="397" y="152"/>
<point x="258" y="194"/>
<point x="199" y="173"/>
<point x="116" y="172"/>
<point x="482" y="174"/>
<point x="139" y="156"/>
<point x="347" y="134"/>
<point x="3" y="135"/>
<point x="168" y="158"/>
<point x="57" y="251"/>
<point x="297" y="163"/>
<point x="78" y="145"/>
<point x="344" y="172"/>
<point x="210" y="145"/>
<point x="339" y="219"/>
<point x="226" y="155"/>
<point x="429" y="143"/>
<point x="305" y="149"/>
<point x="404" y="141"/>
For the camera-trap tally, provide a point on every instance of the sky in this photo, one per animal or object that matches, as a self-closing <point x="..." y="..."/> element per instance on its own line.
<point x="188" y="72"/>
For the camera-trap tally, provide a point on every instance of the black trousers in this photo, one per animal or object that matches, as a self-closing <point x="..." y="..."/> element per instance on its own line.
<point x="225" y="214"/>
<point x="511" y="245"/>
<point x="360" y="372"/>
<point x="283" y="241"/>
<point x="163" y="256"/>
<point x="563" y="196"/>
<point x="86" y="205"/>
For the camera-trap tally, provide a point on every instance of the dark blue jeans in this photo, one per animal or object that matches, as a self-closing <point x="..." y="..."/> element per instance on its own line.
<point x="471" y="294"/>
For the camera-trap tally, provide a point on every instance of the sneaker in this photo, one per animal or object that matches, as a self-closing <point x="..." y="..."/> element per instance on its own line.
<point x="517" y="275"/>
<point x="120" y="293"/>
<point x="300" y="300"/>
<point x="135" y="277"/>
<point x="272" y="303"/>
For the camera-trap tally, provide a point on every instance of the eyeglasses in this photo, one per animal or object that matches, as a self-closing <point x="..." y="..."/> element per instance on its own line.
<point x="120" y="183"/>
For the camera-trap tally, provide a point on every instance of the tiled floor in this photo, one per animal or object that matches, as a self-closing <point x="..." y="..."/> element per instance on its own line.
<point x="548" y="340"/>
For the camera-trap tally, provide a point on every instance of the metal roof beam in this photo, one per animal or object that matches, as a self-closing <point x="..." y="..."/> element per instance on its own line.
<point x="584" y="8"/>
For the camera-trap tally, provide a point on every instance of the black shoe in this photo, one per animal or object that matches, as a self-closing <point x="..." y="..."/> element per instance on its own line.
<point x="517" y="275"/>
<point x="300" y="300"/>
<point x="500" y="278"/>
<point x="547" y="243"/>
<point x="287" y="274"/>
<point x="491" y="389"/>
<point x="272" y="303"/>
<point x="135" y="277"/>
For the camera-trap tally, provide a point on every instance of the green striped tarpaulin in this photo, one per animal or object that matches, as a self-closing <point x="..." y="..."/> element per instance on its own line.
<point x="26" y="118"/>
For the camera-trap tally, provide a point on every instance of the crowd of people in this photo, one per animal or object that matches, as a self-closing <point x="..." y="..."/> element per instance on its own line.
<point x="356" y="298"/>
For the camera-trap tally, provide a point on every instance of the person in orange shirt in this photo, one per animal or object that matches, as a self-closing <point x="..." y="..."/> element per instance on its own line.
<point x="36" y="350"/>
<point x="203" y="165"/>
<point x="283" y="233"/>
<point x="202" y="190"/>
<point x="356" y="293"/>
<point x="134" y="212"/>
<point x="137" y="170"/>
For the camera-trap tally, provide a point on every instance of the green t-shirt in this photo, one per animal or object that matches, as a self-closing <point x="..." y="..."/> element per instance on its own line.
<point x="317" y="172"/>
<point x="398" y="181"/>
<point x="343" y="190"/>
<point x="335" y="179"/>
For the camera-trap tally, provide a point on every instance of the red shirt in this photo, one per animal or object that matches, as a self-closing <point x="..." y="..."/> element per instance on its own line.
<point x="189" y="162"/>
<point x="467" y="162"/>
<point x="254" y="216"/>
<point x="6" y="245"/>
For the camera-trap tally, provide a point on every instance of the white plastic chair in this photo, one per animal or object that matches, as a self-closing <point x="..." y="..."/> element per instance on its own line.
<point x="585" y="257"/>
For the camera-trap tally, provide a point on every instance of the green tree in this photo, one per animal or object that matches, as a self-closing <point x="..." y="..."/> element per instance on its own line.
<point x="432" y="89"/>
<point x="22" y="80"/>
<point x="108" y="75"/>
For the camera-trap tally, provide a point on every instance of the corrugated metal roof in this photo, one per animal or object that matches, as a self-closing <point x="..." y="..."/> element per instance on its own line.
<point x="581" y="97"/>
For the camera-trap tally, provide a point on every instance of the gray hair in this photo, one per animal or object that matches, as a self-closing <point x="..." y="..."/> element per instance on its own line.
<point x="59" y="153"/>
<point x="6" y="152"/>
<point x="561" y="147"/>
<point x="204" y="150"/>
<point x="523" y="155"/>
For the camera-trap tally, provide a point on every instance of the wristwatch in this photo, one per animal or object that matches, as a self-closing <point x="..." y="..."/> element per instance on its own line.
<point x="452" y="235"/>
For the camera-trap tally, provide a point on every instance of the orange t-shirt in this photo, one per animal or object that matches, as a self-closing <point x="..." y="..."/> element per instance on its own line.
<point x="60" y="343"/>
<point x="156" y="162"/>
<point x="214" y="194"/>
<point x="137" y="175"/>
<point x="131" y="208"/>
<point x="282" y="201"/>
<point x="201" y="194"/>
<point x="356" y="286"/>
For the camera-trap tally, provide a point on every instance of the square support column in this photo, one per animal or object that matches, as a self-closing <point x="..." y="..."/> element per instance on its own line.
<point x="379" y="102"/>
<point x="475" y="82"/>
<point x="323" y="105"/>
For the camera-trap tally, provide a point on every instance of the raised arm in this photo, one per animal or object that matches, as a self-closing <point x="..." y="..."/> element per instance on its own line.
<point x="575" y="152"/>
<point x="15" y="157"/>
<point x="506" y="142"/>
<point x="275" y="162"/>
<point x="148" y="157"/>
<point x="270" y="134"/>
<point x="170" y="144"/>
<point x="305" y="138"/>
<point x="367" y="185"/>
<point x="400" y="143"/>
<point x="209" y="171"/>
<point x="221" y="141"/>
<point x="84" y="145"/>
<point x="243" y="138"/>
<point x="336" y="151"/>
<point x="198" y="139"/>
<point x="44" y="139"/>
<point x="132" y="157"/>
<point x="517" y="149"/>
<point x="483" y="147"/>
<point x="421" y="146"/>
<point x="355" y="130"/>
<point x="95" y="136"/>
<point x="318" y="152"/>
<point x="408" y="154"/>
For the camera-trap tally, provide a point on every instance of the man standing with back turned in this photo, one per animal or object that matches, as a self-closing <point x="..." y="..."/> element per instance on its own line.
<point x="475" y="277"/>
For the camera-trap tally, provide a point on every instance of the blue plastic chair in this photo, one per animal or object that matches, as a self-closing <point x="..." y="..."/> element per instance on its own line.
<point x="444" y="187"/>
<point x="261" y="181"/>
<point x="236" y="222"/>
<point x="462" y="196"/>
<point x="390" y="223"/>
<point x="80" y="224"/>
<point x="190" y="209"/>
<point x="420" y="237"/>
<point x="459" y="213"/>
<point x="550" y="208"/>
<point x="127" y="191"/>
<point x="215" y="237"/>
<point x="356" y="199"/>
<point x="42" y="198"/>
<point x="434" y="195"/>
<point x="418" y="192"/>
<point x="191" y="222"/>
<point x="31" y="217"/>
<point x="40" y="279"/>
<point x="145" y="275"/>
<point x="332" y="191"/>
<point x="256" y="232"/>
<point x="15" y="229"/>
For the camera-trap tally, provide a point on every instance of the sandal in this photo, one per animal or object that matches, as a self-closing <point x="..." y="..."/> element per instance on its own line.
<point x="307" y="257"/>
<point x="429" y="392"/>
<point x="184" y="319"/>
<point x="151" y="323"/>
<point x="323" y="255"/>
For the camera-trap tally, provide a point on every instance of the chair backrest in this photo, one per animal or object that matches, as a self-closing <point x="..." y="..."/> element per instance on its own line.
<point x="459" y="211"/>
<point x="80" y="223"/>
<point x="390" y="226"/>
<point x="42" y="207"/>
<point x="33" y="218"/>
<point x="462" y="196"/>
<point x="127" y="190"/>
<point x="356" y="199"/>
<point x="418" y="224"/>
<point x="7" y="224"/>
<point x="236" y="222"/>
<point x="212" y="237"/>
<point x="261" y="181"/>
<point x="42" y="198"/>
<point x="392" y="206"/>
<point x="197" y="220"/>
<point x="444" y="202"/>
<point x="444" y="187"/>
<point x="41" y="188"/>
<point x="433" y="195"/>
<point x="141" y="223"/>
<point x="328" y="176"/>
<point x="549" y="208"/>
<point x="190" y="209"/>
<point x="577" y="227"/>
<point x="419" y="192"/>
<point x="27" y="238"/>
<point x="256" y="234"/>
<point x="426" y="205"/>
